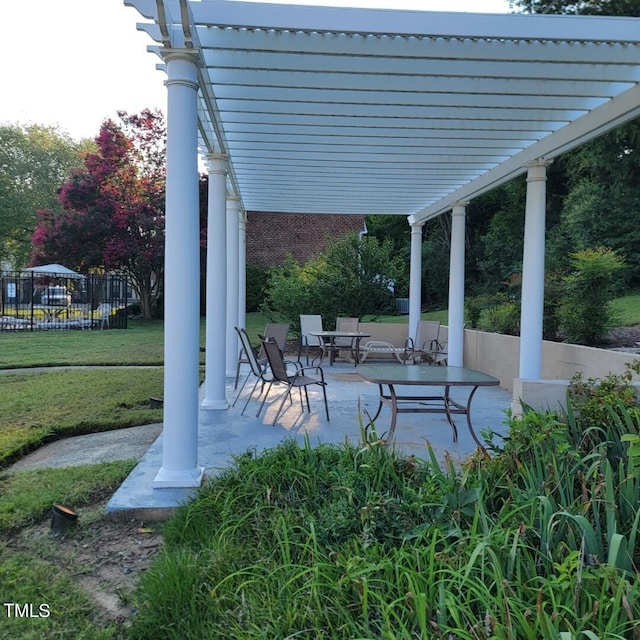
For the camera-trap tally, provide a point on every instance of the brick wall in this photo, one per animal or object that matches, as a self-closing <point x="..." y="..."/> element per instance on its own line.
<point x="273" y="236"/>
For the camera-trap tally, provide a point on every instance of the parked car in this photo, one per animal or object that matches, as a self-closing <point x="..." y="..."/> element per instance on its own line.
<point x="56" y="296"/>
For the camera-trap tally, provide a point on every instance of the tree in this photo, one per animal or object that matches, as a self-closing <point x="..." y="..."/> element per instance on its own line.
<point x="353" y="278"/>
<point x="603" y="205"/>
<point x="499" y="249"/>
<point x="112" y="214"/>
<point x="34" y="161"/>
<point x="629" y="8"/>
<point x="585" y="311"/>
<point x="394" y="228"/>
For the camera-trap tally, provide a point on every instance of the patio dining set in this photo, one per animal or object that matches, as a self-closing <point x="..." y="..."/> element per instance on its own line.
<point x="405" y="381"/>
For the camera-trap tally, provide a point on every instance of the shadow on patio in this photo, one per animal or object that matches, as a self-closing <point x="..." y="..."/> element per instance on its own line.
<point x="223" y="434"/>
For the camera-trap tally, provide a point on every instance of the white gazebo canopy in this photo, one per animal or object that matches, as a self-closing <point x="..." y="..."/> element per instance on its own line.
<point x="325" y="109"/>
<point x="54" y="268"/>
<point x="360" y="111"/>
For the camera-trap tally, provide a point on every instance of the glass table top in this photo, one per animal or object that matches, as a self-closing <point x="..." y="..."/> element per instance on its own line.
<point x="424" y="375"/>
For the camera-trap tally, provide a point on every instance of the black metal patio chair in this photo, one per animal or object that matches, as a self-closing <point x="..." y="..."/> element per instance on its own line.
<point x="298" y="379"/>
<point x="258" y="369"/>
<point x="277" y="330"/>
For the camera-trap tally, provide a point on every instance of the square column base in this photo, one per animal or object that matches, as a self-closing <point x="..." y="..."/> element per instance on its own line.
<point x="175" y="479"/>
<point x="214" y="405"/>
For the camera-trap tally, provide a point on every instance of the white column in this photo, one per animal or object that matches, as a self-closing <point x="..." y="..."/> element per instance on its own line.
<point x="216" y="307"/>
<point x="532" y="304"/>
<point x="456" y="286"/>
<point x="182" y="276"/>
<point x="415" y="279"/>
<point x="242" y="270"/>
<point x="233" y="250"/>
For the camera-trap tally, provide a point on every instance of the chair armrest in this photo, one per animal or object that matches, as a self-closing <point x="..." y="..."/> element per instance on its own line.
<point x="316" y="369"/>
<point x="294" y="363"/>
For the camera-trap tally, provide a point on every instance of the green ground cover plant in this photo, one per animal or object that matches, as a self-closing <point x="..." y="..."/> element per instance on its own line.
<point x="537" y="541"/>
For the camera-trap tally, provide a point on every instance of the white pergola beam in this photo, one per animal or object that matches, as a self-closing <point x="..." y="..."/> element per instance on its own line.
<point x="440" y="123"/>
<point x="343" y="20"/>
<point x="401" y="112"/>
<point x="419" y="141"/>
<point x="349" y="147"/>
<point x="351" y="84"/>
<point x="401" y="72"/>
<point x="443" y="47"/>
<point x="254" y="131"/>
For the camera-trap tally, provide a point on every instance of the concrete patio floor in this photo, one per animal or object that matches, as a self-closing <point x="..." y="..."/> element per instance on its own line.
<point x="223" y="434"/>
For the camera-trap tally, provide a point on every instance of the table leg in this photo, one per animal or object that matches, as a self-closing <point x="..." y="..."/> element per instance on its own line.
<point x="332" y="350"/>
<point x="394" y="413"/>
<point x="471" y="431"/>
<point x="356" y="352"/>
<point x="379" y="404"/>
<point x="447" y="409"/>
<point x="322" y="347"/>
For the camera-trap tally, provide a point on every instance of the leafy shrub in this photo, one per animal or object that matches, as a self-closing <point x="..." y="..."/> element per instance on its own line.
<point x="553" y="295"/>
<point x="337" y="541"/>
<point x="473" y="309"/>
<point x="600" y="412"/>
<point x="257" y="279"/>
<point x="134" y="309"/>
<point x="586" y="312"/>
<point x="353" y="278"/>
<point x="478" y="310"/>
<point x="504" y="318"/>
<point x="578" y="304"/>
<point x="288" y="292"/>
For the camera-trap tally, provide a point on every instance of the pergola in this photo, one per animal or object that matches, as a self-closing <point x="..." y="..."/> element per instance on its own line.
<point x="360" y="111"/>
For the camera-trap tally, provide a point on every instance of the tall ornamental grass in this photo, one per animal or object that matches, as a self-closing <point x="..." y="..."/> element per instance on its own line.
<point x="538" y="541"/>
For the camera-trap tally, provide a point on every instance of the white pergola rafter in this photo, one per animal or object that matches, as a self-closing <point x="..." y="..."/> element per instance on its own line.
<point x="328" y="99"/>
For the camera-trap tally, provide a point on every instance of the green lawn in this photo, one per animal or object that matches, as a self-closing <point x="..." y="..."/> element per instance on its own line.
<point x="35" y="570"/>
<point x="141" y="343"/>
<point x="627" y="310"/>
<point x="39" y="406"/>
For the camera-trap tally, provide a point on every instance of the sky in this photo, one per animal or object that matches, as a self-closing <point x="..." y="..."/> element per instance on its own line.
<point x="74" y="63"/>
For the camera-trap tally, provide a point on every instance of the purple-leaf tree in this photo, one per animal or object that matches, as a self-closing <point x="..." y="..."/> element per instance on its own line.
<point x="113" y="208"/>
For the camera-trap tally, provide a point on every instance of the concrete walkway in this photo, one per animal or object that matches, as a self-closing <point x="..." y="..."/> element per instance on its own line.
<point x="107" y="446"/>
<point x="224" y="434"/>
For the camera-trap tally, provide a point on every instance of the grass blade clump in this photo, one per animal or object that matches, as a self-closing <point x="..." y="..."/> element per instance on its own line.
<point x="536" y="542"/>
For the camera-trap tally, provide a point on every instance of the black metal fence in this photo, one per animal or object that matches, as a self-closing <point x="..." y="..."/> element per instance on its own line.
<point x="53" y="301"/>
